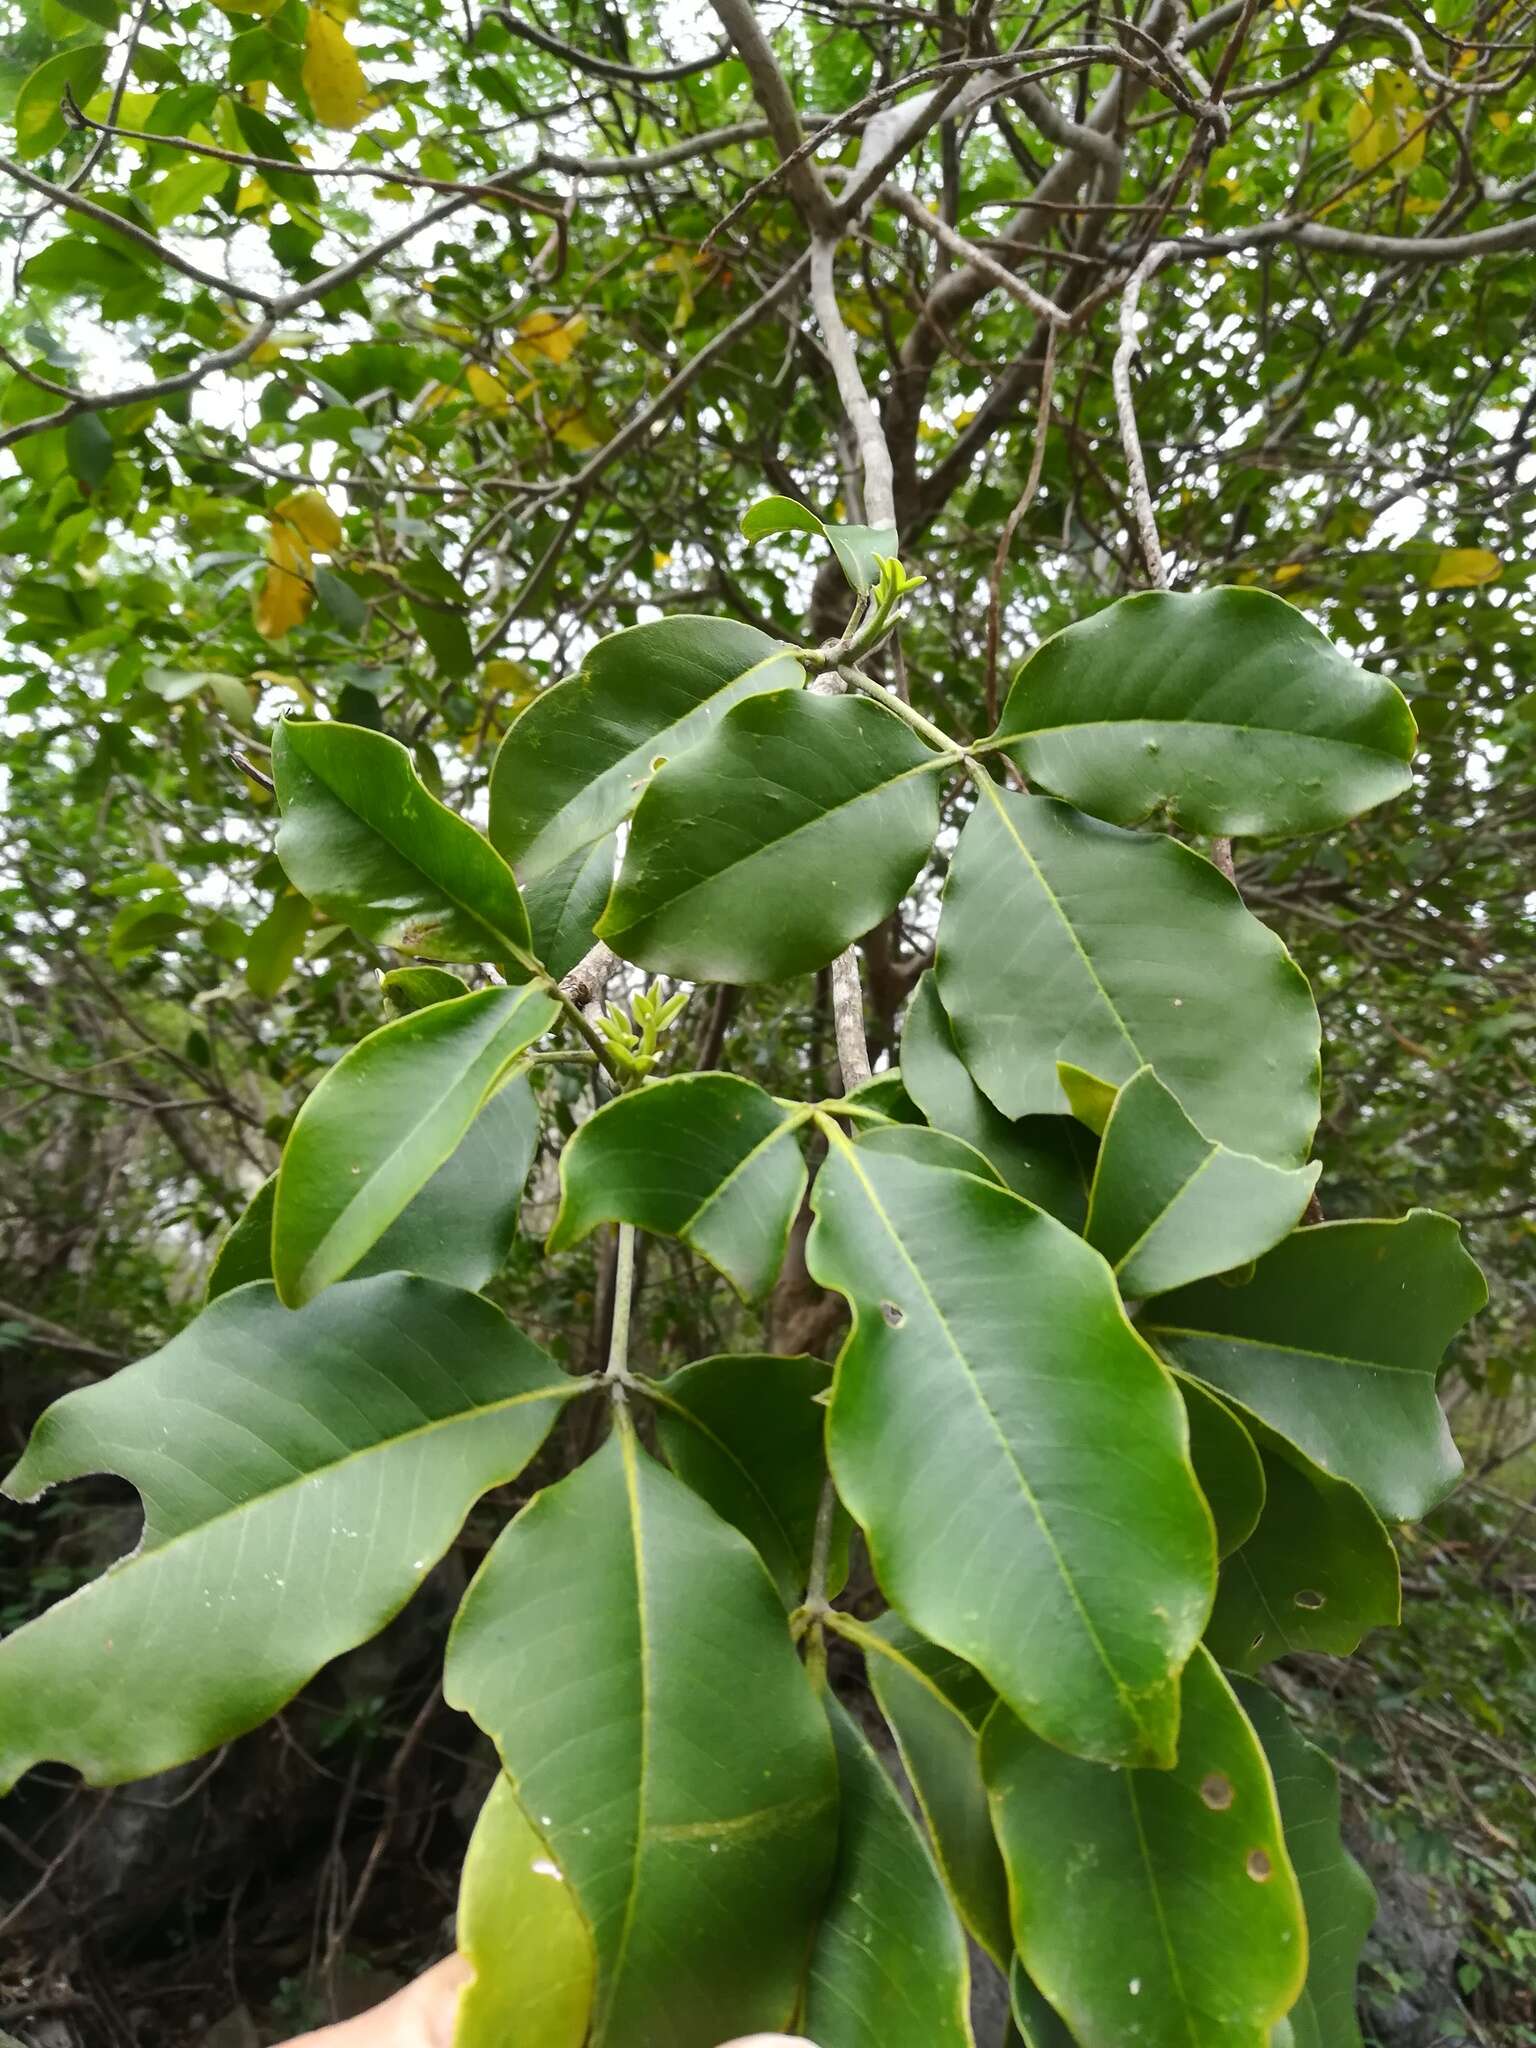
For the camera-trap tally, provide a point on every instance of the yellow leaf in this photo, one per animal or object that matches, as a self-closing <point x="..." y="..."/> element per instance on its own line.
<point x="513" y="681"/>
<point x="661" y="560"/>
<point x="553" y="335"/>
<point x="1500" y="117"/>
<point x="315" y="522"/>
<point x="332" y="76"/>
<point x="1382" y="121"/>
<point x="575" y="430"/>
<point x="1288" y="571"/>
<point x="1465" y="569"/>
<point x="485" y="389"/>
<point x="254" y="196"/>
<point x="286" y="593"/>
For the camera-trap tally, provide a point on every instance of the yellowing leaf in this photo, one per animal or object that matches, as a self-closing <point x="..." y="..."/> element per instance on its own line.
<point x="286" y="593"/>
<point x="486" y="389"/>
<point x="512" y="681"/>
<point x="553" y="335"/>
<point x="332" y="76"/>
<point x="575" y="430"/>
<point x="314" y="519"/>
<point x="1287" y="571"/>
<point x="254" y="196"/>
<point x="1465" y="569"/>
<point x="661" y="560"/>
<point x="1385" y="119"/>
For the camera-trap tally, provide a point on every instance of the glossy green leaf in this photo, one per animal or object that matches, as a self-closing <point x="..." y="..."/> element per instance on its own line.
<point x="990" y="1399"/>
<point x="88" y="448"/>
<point x="761" y="853"/>
<point x="522" y="1933"/>
<point x="1159" y="1907"/>
<point x="1339" y="1898"/>
<point x="1317" y="1573"/>
<point x="1169" y="1207"/>
<point x="364" y="839"/>
<point x="627" y="1653"/>
<point x="858" y="549"/>
<point x="383" y="1120"/>
<point x="934" y="1705"/>
<point x="37" y="116"/>
<point x="1046" y="1159"/>
<point x="406" y="989"/>
<point x="301" y="1473"/>
<point x="1066" y="939"/>
<point x="574" y="763"/>
<point x="747" y="1433"/>
<point x="1039" y="2024"/>
<point x="926" y="1147"/>
<point x="708" y="1158"/>
<point x="1225" y="708"/>
<point x="1334" y="1340"/>
<point x="276" y="943"/>
<point x="565" y="904"/>
<point x="889" y="1968"/>
<point x="459" y="1229"/>
<point x="1227" y="1465"/>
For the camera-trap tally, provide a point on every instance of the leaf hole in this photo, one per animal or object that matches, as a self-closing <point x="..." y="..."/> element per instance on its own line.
<point x="893" y="1315"/>
<point x="1216" y="1791"/>
<point x="1310" y="1597"/>
<point x="1258" y="1866"/>
<point x="1257" y="1640"/>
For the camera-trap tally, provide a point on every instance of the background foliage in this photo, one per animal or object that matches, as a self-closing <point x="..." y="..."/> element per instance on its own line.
<point x="407" y="478"/>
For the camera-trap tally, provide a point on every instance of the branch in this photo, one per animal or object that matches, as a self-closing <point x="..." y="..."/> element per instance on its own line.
<point x="773" y="95"/>
<point x="1130" y="438"/>
<point x="607" y="67"/>
<point x="848" y="1021"/>
<point x="908" y="203"/>
<point x="874" y="455"/>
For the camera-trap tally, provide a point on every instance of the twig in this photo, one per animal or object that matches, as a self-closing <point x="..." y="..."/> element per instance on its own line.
<point x="1125" y="409"/>
<point x="1011" y="524"/>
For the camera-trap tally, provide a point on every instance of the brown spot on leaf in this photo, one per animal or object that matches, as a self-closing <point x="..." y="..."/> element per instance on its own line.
<point x="893" y="1315"/>
<point x="1259" y="1866"/>
<point x="1216" y="1791"/>
<point x="1310" y="1597"/>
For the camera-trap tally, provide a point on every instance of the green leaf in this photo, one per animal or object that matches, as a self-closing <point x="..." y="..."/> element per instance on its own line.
<point x="762" y="852"/>
<point x="1318" y="1572"/>
<point x="889" y="1968"/>
<point x="990" y="1399"/>
<point x="1169" y="1207"/>
<point x="407" y="989"/>
<point x="339" y="601"/>
<point x="447" y="638"/>
<point x="935" y="1705"/>
<point x="779" y="515"/>
<point x="858" y="549"/>
<point x="300" y="1474"/>
<point x="1159" y="1907"/>
<point x="1339" y="1898"/>
<point x="523" y="1935"/>
<point x="708" y="1158"/>
<point x="381" y="1123"/>
<point x="459" y="1229"/>
<point x="565" y="904"/>
<point x="1226" y="708"/>
<point x="1047" y="1160"/>
<point x="1227" y="1466"/>
<point x="747" y="1434"/>
<point x="38" y="117"/>
<point x="628" y="1655"/>
<point x="88" y="448"/>
<point x="276" y="943"/>
<point x="1039" y="2025"/>
<point x="1334" y="1341"/>
<point x="365" y="840"/>
<point x="575" y="761"/>
<point x="1064" y="939"/>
